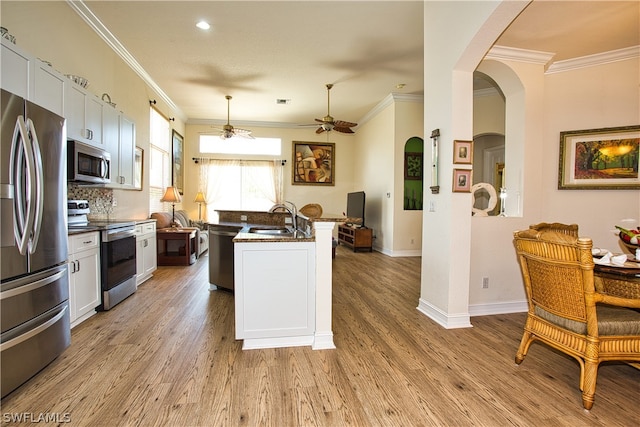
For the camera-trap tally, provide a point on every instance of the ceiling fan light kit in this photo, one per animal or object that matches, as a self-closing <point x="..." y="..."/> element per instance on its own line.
<point x="328" y="123"/>
<point x="229" y="131"/>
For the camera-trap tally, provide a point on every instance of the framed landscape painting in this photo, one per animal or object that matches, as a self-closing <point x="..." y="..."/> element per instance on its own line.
<point x="313" y="163"/>
<point x="600" y="159"/>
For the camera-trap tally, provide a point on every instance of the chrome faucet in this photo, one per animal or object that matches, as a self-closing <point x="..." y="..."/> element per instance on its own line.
<point x="293" y="211"/>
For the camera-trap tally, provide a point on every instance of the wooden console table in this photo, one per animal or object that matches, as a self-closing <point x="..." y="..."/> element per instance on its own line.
<point x="355" y="237"/>
<point x="176" y="246"/>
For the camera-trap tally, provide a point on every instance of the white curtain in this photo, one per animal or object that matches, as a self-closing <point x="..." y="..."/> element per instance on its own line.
<point x="240" y="185"/>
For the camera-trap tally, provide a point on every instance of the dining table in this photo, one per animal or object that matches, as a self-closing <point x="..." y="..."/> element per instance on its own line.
<point x="621" y="281"/>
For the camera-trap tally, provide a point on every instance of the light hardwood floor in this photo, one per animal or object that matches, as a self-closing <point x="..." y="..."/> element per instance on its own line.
<point x="167" y="356"/>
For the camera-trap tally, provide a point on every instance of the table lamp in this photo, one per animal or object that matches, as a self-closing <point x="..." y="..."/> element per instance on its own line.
<point x="172" y="195"/>
<point x="200" y="200"/>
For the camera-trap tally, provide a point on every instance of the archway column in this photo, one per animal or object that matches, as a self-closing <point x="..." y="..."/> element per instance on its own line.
<point x="470" y="28"/>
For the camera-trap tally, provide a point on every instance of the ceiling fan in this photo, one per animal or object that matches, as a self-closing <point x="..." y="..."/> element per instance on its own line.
<point x="229" y="131"/>
<point x="328" y="123"/>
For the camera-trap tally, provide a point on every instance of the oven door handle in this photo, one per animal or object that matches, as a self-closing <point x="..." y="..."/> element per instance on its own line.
<point x="111" y="235"/>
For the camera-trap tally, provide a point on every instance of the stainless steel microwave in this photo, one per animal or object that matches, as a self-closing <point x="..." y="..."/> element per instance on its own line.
<point x="87" y="164"/>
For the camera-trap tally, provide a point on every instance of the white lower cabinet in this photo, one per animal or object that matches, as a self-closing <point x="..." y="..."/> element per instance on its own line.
<point x="275" y="293"/>
<point x="146" y="258"/>
<point x="84" y="276"/>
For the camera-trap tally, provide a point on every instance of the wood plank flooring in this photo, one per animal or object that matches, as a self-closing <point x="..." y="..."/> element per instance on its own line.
<point x="167" y="356"/>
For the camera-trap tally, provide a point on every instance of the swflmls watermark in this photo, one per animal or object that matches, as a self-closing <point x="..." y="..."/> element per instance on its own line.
<point x="36" y="417"/>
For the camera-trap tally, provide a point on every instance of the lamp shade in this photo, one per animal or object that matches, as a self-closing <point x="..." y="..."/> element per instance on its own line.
<point x="171" y="195"/>
<point x="200" y="197"/>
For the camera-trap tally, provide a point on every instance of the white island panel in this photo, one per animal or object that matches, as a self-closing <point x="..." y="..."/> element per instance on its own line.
<point x="275" y="293"/>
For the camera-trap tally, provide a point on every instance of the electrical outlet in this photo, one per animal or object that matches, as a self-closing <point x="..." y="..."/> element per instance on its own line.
<point x="485" y="283"/>
<point x="114" y="203"/>
<point x="243" y="218"/>
<point x="432" y="206"/>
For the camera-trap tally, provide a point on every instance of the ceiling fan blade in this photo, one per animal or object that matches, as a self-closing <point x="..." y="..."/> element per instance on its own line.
<point x="342" y="129"/>
<point x="344" y="124"/>
<point x="320" y="121"/>
<point x="320" y="130"/>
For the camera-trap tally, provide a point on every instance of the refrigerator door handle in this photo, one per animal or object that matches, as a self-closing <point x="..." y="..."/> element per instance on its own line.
<point x="21" y="157"/>
<point x="38" y="186"/>
<point x="34" y="285"/>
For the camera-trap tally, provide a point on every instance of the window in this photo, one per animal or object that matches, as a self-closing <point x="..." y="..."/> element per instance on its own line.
<point x="250" y="185"/>
<point x="160" y="158"/>
<point x="238" y="145"/>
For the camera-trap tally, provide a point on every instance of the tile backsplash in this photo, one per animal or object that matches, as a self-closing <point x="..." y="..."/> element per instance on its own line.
<point x="100" y="199"/>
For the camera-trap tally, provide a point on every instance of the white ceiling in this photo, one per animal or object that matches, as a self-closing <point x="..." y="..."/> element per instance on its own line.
<point x="261" y="51"/>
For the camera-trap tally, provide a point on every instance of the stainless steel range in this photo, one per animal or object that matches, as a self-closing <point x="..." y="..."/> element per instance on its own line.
<point x="117" y="252"/>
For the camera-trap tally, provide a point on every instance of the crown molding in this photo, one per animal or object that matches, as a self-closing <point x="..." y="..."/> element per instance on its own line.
<point x="520" y="55"/>
<point x="596" y="59"/>
<point x="389" y="100"/>
<point x="544" y="58"/>
<point x="96" y="25"/>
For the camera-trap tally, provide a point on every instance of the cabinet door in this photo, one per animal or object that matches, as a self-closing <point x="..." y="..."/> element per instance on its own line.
<point x="15" y="70"/>
<point x="150" y="255"/>
<point x="48" y="88"/>
<point x="111" y="140"/>
<point x="87" y="281"/>
<point x="141" y="242"/>
<point x="127" y="152"/>
<point x="93" y="119"/>
<point x="74" y="112"/>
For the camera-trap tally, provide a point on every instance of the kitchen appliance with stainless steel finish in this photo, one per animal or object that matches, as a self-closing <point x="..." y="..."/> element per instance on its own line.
<point x="221" y="260"/>
<point x="87" y="164"/>
<point x="34" y="282"/>
<point x="117" y="252"/>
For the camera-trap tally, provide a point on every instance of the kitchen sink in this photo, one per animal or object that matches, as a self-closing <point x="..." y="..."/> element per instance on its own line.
<point x="278" y="231"/>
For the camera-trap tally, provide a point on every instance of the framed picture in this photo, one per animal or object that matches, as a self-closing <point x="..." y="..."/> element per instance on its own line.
<point x="177" y="161"/>
<point x="413" y="166"/>
<point x="313" y="163"/>
<point x="462" y="180"/>
<point x="463" y="152"/>
<point x="138" y="168"/>
<point x="600" y="159"/>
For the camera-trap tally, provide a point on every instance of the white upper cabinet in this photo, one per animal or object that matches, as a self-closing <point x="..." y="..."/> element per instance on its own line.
<point x="127" y="152"/>
<point x="32" y="79"/>
<point x="83" y="112"/>
<point x="16" y="69"/>
<point x="119" y="136"/>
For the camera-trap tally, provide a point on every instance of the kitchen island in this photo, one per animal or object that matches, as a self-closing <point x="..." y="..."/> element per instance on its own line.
<point x="283" y="284"/>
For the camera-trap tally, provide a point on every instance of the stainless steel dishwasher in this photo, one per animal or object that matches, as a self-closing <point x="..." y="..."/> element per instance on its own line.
<point x="221" y="256"/>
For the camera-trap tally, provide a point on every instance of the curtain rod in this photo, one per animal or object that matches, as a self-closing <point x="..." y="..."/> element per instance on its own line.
<point x="152" y="102"/>
<point x="282" y="161"/>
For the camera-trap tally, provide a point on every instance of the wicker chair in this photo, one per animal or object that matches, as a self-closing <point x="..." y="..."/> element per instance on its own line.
<point x="567" y="313"/>
<point x="570" y="229"/>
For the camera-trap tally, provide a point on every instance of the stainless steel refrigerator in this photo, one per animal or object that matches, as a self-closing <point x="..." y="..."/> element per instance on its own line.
<point x="34" y="283"/>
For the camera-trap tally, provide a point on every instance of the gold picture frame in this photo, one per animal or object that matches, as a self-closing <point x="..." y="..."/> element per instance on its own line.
<point x="463" y="152"/>
<point x="313" y="163"/>
<point x="462" y="180"/>
<point x="138" y="168"/>
<point x="177" y="161"/>
<point x="600" y="159"/>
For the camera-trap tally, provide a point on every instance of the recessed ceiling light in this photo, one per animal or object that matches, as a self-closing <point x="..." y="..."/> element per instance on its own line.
<point x="203" y="25"/>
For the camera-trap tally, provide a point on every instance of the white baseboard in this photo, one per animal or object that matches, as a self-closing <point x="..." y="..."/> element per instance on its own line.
<point x="447" y="321"/>
<point x="498" y="308"/>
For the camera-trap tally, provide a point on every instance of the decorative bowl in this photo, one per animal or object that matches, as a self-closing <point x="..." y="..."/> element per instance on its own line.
<point x="628" y="245"/>
<point x="78" y="80"/>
